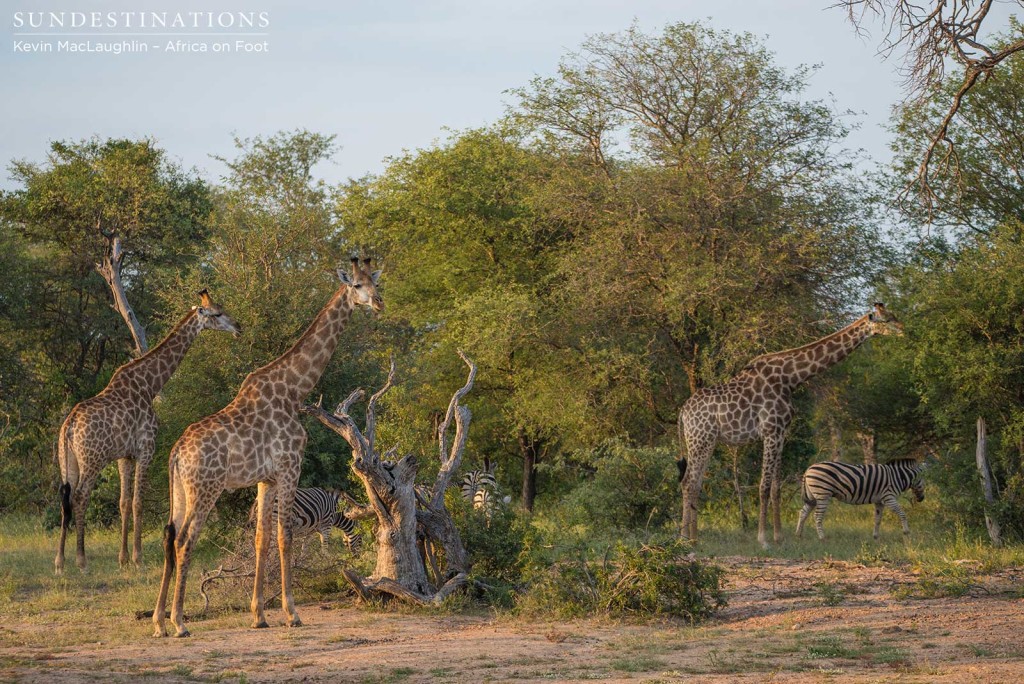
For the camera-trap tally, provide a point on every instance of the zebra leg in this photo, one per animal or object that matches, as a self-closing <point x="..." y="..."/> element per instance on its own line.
<point x="819" y="516"/>
<point x="804" y="512"/>
<point x="878" y="519"/>
<point x="892" y="504"/>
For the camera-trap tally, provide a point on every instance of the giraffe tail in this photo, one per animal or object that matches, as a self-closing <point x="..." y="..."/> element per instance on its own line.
<point x="170" y="533"/>
<point x="65" y="505"/>
<point x="66" y="517"/>
<point x="681" y="464"/>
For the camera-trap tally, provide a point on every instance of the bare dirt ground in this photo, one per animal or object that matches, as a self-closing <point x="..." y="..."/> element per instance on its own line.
<point x="787" y="621"/>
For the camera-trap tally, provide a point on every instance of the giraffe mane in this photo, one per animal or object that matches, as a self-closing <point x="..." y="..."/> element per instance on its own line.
<point x="794" y="350"/>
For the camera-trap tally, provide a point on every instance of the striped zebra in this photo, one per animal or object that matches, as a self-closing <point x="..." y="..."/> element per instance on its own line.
<point x="480" y="488"/>
<point x="859" y="484"/>
<point x="316" y="510"/>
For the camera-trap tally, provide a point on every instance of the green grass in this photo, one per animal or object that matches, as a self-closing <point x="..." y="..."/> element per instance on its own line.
<point x="79" y="606"/>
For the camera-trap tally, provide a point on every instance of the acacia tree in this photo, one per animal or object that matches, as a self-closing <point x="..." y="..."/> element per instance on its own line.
<point x="714" y="217"/>
<point x="401" y="514"/>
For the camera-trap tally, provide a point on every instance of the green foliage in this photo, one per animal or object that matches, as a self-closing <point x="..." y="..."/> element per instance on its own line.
<point x="629" y="581"/>
<point x="627" y="488"/>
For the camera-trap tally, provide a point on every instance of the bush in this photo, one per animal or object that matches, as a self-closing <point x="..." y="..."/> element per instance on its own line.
<point x="631" y="488"/>
<point x="496" y="548"/>
<point x="629" y="581"/>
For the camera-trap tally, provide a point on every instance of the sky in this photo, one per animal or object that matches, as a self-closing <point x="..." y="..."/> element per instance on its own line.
<point x="384" y="77"/>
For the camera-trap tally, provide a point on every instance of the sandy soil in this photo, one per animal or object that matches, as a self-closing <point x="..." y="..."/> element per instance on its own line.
<point x="787" y="621"/>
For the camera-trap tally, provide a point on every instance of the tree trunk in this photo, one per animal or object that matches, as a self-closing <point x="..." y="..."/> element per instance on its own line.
<point x="404" y="530"/>
<point x="110" y="269"/>
<point x="981" y="456"/>
<point x="528" y="449"/>
<point x="869" y="446"/>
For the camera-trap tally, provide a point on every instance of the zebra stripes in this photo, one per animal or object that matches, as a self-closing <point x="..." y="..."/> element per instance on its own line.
<point x="316" y="510"/>
<point x="859" y="484"/>
<point x="480" y="488"/>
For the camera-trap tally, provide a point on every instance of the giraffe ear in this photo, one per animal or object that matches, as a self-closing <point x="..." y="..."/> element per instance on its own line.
<point x="344" y="277"/>
<point x="204" y="297"/>
<point x="375" y="276"/>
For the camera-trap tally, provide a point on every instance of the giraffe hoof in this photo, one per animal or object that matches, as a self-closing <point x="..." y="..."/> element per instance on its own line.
<point x="182" y="633"/>
<point x="295" y="622"/>
<point x="260" y="624"/>
<point x="159" y="633"/>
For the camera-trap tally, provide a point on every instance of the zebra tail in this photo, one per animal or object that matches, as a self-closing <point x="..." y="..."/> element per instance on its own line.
<point x="804" y="494"/>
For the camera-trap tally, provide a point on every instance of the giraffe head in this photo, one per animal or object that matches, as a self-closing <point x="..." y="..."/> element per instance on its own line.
<point x="884" y="323"/>
<point x="213" y="317"/>
<point x="362" y="285"/>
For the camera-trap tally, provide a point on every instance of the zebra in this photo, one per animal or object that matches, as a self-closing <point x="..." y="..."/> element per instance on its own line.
<point x="480" y="488"/>
<point x="859" y="484"/>
<point x="316" y="510"/>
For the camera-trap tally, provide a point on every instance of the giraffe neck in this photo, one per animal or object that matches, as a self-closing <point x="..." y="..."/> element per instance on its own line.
<point x="150" y="372"/>
<point x="297" y="371"/>
<point x="800" y="364"/>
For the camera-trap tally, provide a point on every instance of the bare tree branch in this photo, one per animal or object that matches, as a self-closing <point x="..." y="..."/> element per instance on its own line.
<point x="451" y="460"/>
<point x="931" y="33"/>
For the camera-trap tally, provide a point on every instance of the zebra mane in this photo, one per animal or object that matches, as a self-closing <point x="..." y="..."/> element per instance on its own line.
<point x="904" y="462"/>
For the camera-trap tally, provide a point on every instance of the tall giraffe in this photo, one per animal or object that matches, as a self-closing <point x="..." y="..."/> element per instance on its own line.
<point x="118" y="424"/>
<point x="257" y="439"/>
<point x="756" y="403"/>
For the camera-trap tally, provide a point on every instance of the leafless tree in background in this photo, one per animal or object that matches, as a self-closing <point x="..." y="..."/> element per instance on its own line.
<point x="931" y="33"/>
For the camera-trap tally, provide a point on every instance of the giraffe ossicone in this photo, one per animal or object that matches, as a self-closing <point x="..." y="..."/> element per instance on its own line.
<point x="119" y="424"/>
<point x="256" y="439"/>
<point x="756" y="404"/>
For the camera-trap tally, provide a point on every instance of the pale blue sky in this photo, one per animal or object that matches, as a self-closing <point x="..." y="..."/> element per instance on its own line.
<point x="385" y="76"/>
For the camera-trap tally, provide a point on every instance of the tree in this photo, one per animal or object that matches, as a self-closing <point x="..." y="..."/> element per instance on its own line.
<point x="117" y="205"/>
<point x="931" y="34"/>
<point x="402" y="514"/>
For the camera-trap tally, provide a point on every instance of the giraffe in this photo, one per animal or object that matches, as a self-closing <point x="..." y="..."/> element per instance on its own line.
<point x="118" y="424"/>
<point x="756" y="403"/>
<point x="256" y="439"/>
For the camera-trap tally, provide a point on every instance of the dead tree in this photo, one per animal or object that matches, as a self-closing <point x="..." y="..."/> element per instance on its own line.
<point x="401" y="568"/>
<point x="981" y="457"/>
<point x="110" y="269"/>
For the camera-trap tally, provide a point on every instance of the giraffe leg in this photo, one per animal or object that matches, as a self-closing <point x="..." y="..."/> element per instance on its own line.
<point x="79" y="502"/>
<point x="768" y="490"/>
<point x="878" y="519"/>
<point x="67" y="520"/>
<point x="776" y="502"/>
<point x="184" y="545"/>
<point x="264" y="505"/>
<point x="819" y="516"/>
<point x="170" y="553"/>
<point x="285" y="500"/>
<point x="141" y="466"/>
<point x="124" y="470"/>
<point x="697" y="461"/>
<point x="804" y="512"/>
<point x="893" y="505"/>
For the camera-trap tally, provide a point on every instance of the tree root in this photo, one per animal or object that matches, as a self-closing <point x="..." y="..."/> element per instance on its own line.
<point x="370" y="589"/>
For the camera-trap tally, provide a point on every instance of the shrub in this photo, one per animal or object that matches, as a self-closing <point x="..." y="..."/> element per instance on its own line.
<point x="631" y="488"/>
<point x="495" y="547"/>
<point x="630" y="580"/>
